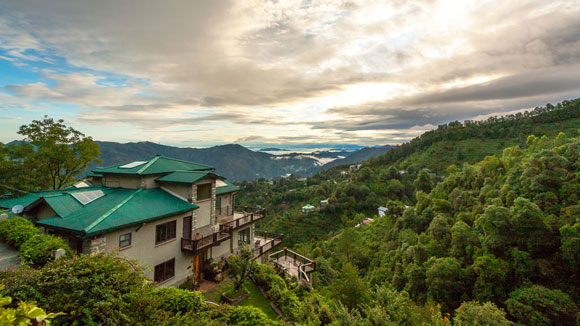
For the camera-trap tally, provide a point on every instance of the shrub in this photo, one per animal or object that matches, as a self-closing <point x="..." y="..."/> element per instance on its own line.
<point x="538" y="306"/>
<point x="91" y="290"/>
<point x="40" y="249"/>
<point x="23" y="314"/>
<point x="474" y="313"/>
<point x="244" y="316"/>
<point x="17" y="230"/>
<point x="179" y="300"/>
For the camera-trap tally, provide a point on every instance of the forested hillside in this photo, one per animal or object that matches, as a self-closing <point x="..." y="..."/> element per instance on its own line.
<point x="397" y="174"/>
<point x="486" y="212"/>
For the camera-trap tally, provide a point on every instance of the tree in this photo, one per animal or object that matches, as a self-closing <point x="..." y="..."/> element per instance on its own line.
<point x="61" y="152"/>
<point x="350" y="289"/>
<point x="424" y="182"/>
<point x="446" y="281"/>
<point x="536" y="305"/>
<point x="240" y="266"/>
<point x="473" y="313"/>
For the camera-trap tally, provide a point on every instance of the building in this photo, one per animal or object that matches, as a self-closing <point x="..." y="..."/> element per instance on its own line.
<point x="308" y="208"/>
<point x="382" y="211"/>
<point x="323" y="204"/>
<point x="173" y="216"/>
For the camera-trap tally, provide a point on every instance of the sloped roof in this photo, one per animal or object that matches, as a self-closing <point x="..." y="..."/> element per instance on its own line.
<point x="188" y="176"/>
<point x="229" y="187"/>
<point x="32" y="197"/>
<point x="24" y="201"/>
<point x="155" y="165"/>
<point x="117" y="209"/>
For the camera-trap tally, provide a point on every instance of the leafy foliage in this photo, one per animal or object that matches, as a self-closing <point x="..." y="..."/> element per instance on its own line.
<point x="17" y="230"/>
<point x="240" y="266"/>
<point x="40" y="249"/>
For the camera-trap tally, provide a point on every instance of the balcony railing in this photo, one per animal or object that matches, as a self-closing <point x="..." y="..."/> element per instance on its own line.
<point x="294" y="264"/>
<point x="225" y="232"/>
<point x="265" y="241"/>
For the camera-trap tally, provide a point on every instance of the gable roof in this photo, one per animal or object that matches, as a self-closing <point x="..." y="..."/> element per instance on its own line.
<point x="33" y="197"/>
<point x="155" y="165"/>
<point x="118" y="208"/>
<point x="188" y="176"/>
<point x="227" y="188"/>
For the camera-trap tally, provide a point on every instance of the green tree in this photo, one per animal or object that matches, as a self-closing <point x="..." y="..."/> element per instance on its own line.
<point x="61" y="152"/>
<point x="350" y="288"/>
<point x="446" y="281"/>
<point x="536" y="305"/>
<point x="240" y="266"/>
<point x="473" y="313"/>
<point x="424" y="182"/>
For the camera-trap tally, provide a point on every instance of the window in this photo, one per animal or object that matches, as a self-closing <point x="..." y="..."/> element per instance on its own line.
<point x="125" y="240"/>
<point x="244" y="237"/>
<point x="218" y="206"/>
<point x="203" y="191"/>
<point x="164" y="271"/>
<point x="165" y="232"/>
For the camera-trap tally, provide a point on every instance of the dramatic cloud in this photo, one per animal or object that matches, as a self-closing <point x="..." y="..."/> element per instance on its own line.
<point x="206" y="72"/>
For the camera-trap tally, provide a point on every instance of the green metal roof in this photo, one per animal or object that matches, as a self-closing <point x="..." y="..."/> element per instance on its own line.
<point x="188" y="176"/>
<point x="24" y="200"/>
<point x="229" y="187"/>
<point x="32" y="197"/>
<point x="155" y="165"/>
<point x="118" y="208"/>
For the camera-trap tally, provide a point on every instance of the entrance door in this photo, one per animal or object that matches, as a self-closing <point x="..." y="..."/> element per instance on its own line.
<point x="198" y="266"/>
<point x="187" y="227"/>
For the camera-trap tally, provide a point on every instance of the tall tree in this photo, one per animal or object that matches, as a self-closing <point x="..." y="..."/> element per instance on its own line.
<point x="61" y="152"/>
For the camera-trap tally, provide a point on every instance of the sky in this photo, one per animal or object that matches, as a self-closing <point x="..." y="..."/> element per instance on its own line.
<point x="201" y="73"/>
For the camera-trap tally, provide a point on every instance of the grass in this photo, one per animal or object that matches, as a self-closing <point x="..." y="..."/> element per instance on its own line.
<point x="259" y="301"/>
<point x="256" y="298"/>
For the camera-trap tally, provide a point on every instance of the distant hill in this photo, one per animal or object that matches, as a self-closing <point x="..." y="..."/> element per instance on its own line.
<point x="233" y="161"/>
<point x="358" y="156"/>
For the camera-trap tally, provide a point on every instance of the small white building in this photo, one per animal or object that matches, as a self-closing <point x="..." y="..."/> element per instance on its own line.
<point x="382" y="211"/>
<point x="323" y="203"/>
<point x="307" y="209"/>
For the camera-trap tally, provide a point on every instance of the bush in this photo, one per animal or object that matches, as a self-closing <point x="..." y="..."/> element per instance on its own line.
<point x="474" y="313"/>
<point x="538" y="306"/>
<point x="17" y="230"/>
<point x="91" y="290"/>
<point x="40" y="249"/>
<point x="244" y="316"/>
<point x="178" y="300"/>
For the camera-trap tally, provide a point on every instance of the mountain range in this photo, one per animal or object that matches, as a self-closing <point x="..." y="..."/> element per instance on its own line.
<point x="236" y="162"/>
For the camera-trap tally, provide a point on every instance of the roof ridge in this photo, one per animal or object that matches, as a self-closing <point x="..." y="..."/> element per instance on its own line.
<point x="111" y="211"/>
<point x="146" y="166"/>
<point x="184" y="161"/>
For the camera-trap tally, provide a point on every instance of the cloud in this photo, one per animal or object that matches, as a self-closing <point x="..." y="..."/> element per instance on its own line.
<point x="316" y="71"/>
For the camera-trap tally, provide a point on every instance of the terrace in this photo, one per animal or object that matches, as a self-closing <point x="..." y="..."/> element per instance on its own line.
<point x="294" y="264"/>
<point x="265" y="241"/>
<point x="225" y="232"/>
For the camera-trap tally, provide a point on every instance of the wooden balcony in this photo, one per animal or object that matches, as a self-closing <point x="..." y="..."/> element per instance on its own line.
<point x="294" y="264"/>
<point x="265" y="241"/>
<point x="226" y="229"/>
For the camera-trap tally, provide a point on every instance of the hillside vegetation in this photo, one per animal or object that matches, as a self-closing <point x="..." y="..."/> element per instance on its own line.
<point x="396" y="175"/>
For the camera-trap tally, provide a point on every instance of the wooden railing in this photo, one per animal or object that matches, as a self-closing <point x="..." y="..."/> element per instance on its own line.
<point x="270" y="239"/>
<point x="225" y="231"/>
<point x="305" y="266"/>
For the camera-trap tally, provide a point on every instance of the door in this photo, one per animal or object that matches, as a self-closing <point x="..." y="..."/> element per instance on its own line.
<point x="187" y="227"/>
<point x="197" y="267"/>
